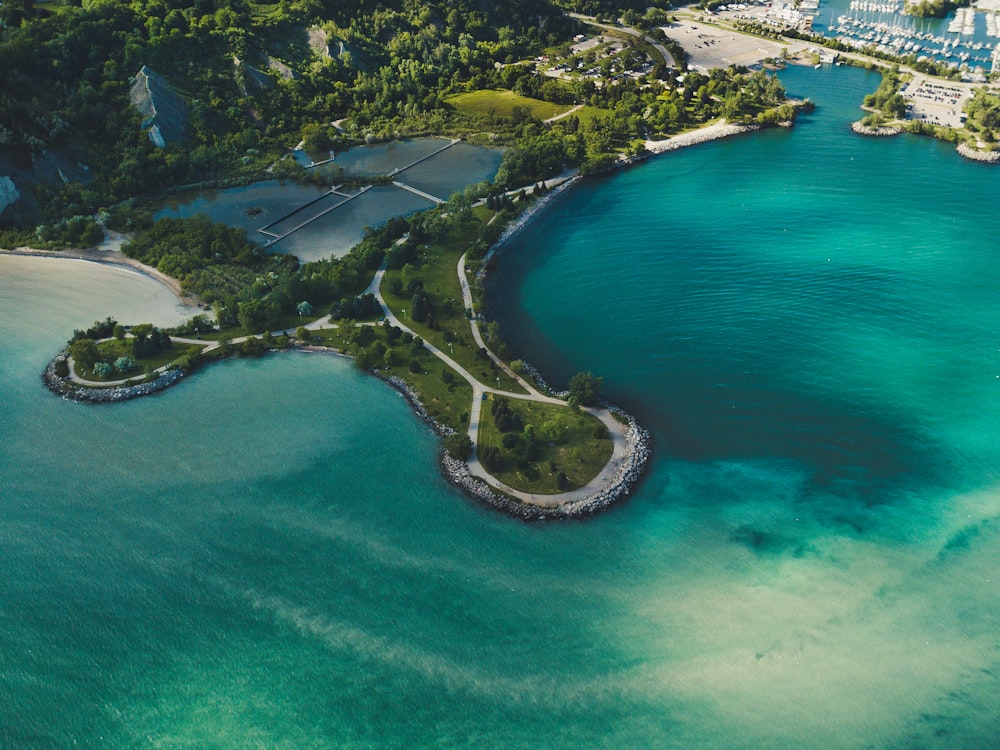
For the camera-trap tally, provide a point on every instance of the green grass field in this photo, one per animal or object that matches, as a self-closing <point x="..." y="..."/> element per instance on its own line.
<point x="438" y="271"/>
<point x="563" y="438"/>
<point x="589" y="113"/>
<point x="501" y="103"/>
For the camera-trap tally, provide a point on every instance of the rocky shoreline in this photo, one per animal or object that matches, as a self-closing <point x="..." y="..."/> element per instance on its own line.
<point x="627" y="474"/>
<point x="65" y="389"/>
<point x="881" y="131"/>
<point x="985" y="157"/>
<point x="629" y="471"/>
<point x="694" y="137"/>
<point x="525" y="217"/>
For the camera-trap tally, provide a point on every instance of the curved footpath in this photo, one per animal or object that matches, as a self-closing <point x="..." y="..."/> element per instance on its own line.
<point x="629" y="452"/>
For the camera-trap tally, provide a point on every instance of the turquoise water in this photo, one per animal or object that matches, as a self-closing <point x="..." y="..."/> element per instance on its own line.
<point x="266" y="555"/>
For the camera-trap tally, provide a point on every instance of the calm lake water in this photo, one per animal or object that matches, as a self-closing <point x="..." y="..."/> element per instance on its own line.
<point x="266" y="556"/>
<point x="311" y="223"/>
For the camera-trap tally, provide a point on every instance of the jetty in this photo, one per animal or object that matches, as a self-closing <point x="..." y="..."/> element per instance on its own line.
<point x="278" y="237"/>
<point x="417" y="191"/>
<point x="400" y="170"/>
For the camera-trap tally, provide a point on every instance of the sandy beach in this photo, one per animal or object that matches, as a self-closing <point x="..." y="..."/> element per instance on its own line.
<point x="110" y="254"/>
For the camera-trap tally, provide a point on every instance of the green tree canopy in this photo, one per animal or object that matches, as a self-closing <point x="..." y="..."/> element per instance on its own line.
<point x="585" y="388"/>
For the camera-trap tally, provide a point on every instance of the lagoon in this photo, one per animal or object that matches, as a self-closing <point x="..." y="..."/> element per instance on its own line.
<point x="332" y="223"/>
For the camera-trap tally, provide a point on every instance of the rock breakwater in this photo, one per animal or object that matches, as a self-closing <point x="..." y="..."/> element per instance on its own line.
<point x="881" y="131"/>
<point x="72" y="392"/>
<point x="627" y="474"/>
<point x="986" y="157"/>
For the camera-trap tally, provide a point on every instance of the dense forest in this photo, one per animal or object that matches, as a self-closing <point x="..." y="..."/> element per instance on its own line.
<point x="256" y="77"/>
<point x="249" y="80"/>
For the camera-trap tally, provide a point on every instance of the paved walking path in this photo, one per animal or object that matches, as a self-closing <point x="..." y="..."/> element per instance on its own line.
<point x="567" y="113"/>
<point x="479" y="390"/>
<point x="603" y="481"/>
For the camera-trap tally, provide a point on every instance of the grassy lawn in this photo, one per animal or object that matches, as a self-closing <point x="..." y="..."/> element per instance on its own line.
<point x="454" y="337"/>
<point x="502" y="102"/>
<point x="589" y="113"/>
<point x="564" y="439"/>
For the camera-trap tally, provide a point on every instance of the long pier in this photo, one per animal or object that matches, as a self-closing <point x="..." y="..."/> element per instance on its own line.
<point x="349" y="197"/>
<point x="319" y="163"/>
<point x="307" y="222"/>
<point x="416" y="191"/>
<point x="448" y="145"/>
<point x="332" y="191"/>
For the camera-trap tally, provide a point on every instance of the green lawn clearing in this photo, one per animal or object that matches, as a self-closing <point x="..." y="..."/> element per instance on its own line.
<point x="501" y="103"/>
<point x="565" y="442"/>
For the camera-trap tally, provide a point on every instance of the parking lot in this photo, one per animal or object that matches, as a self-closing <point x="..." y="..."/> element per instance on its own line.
<point x="936" y="102"/>
<point x="711" y="47"/>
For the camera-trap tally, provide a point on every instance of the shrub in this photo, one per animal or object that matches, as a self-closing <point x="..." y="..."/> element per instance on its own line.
<point x="102" y="369"/>
<point x="125" y="364"/>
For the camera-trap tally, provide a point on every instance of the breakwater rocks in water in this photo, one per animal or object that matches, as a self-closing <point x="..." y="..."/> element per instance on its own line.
<point x="70" y="391"/>
<point x="526" y="216"/>
<point x="628" y="472"/>
<point x="694" y="137"/>
<point x="411" y="397"/>
<point x="883" y="130"/>
<point x="986" y="157"/>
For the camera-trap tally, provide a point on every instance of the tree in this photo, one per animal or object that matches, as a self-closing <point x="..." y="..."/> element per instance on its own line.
<point x="363" y="336"/>
<point x="124" y="364"/>
<point x="13" y="12"/>
<point x="420" y="306"/>
<point x="491" y="458"/>
<point x="258" y="315"/>
<point x="585" y="388"/>
<point x="84" y="353"/>
<point x="304" y="308"/>
<point x="459" y="446"/>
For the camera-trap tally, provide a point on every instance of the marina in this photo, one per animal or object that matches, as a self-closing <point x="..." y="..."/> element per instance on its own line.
<point x="965" y="41"/>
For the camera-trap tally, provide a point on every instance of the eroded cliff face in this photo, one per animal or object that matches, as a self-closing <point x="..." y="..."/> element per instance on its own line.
<point x="8" y="193"/>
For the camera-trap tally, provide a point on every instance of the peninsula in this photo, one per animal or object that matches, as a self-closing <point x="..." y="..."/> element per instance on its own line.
<point x="591" y="93"/>
<point x="405" y="303"/>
